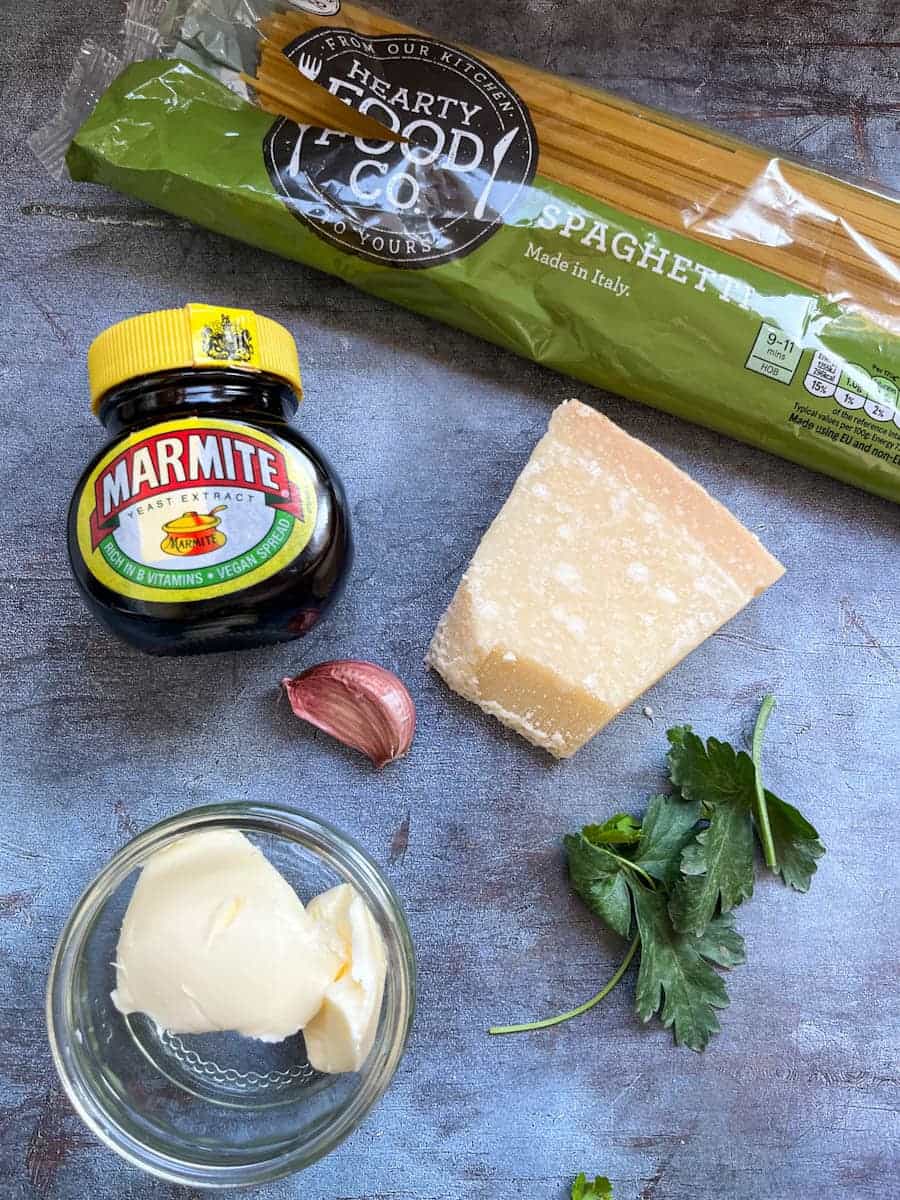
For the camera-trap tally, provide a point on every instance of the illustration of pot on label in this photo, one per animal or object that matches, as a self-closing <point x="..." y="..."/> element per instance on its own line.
<point x="194" y="533"/>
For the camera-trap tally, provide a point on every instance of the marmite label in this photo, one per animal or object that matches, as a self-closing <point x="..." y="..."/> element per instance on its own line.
<point x="194" y="509"/>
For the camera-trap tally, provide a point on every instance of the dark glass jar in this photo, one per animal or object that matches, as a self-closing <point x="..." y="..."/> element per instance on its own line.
<point x="207" y="522"/>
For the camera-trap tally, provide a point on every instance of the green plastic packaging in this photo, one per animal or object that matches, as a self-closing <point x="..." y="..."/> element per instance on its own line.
<point x="560" y="278"/>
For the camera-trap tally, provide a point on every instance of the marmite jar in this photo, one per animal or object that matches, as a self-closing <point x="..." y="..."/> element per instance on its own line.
<point x="207" y="522"/>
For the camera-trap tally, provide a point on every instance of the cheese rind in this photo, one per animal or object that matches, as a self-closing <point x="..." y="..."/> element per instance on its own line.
<point x="605" y="567"/>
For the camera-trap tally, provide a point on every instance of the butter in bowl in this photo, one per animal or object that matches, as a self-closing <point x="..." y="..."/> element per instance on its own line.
<point x="231" y="995"/>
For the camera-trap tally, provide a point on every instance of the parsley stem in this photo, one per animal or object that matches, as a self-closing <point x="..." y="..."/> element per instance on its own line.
<point x="631" y="866"/>
<point x="762" y="810"/>
<point x="582" y="1008"/>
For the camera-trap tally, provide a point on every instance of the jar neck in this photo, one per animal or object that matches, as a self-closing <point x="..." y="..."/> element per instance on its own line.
<point x="197" y="392"/>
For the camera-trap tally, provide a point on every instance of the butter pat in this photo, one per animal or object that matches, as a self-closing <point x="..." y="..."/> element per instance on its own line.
<point x="606" y="566"/>
<point x="341" y="1034"/>
<point x="215" y="938"/>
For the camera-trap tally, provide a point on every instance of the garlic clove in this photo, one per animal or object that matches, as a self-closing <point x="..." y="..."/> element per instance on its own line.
<point x="359" y="703"/>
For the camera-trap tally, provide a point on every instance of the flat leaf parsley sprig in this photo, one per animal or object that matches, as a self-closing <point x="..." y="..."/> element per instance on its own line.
<point x="668" y="883"/>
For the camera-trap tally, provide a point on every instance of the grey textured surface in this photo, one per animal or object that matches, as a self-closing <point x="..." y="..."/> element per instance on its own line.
<point x="797" y="1097"/>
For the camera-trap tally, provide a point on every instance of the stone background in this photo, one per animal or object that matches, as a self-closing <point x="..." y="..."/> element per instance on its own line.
<point x="797" y="1097"/>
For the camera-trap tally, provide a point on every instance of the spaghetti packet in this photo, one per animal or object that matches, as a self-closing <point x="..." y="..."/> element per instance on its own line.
<point x="624" y="247"/>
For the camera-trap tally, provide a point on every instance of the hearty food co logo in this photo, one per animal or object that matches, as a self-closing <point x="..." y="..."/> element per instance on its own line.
<point x="467" y="149"/>
<point x="160" y="498"/>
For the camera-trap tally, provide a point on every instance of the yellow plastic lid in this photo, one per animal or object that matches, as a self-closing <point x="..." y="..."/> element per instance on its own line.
<point x="198" y="335"/>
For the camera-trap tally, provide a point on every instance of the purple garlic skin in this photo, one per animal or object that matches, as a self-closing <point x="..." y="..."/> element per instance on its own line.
<point x="359" y="703"/>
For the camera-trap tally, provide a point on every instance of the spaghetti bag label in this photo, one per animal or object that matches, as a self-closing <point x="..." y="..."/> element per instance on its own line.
<point x="194" y="509"/>
<point x="468" y="149"/>
<point x="534" y="265"/>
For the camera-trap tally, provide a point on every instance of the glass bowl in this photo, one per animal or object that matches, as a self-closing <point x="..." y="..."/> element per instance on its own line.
<point x="217" y="1110"/>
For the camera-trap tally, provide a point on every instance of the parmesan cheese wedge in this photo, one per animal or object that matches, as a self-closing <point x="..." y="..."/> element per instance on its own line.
<point x="606" y="566"/>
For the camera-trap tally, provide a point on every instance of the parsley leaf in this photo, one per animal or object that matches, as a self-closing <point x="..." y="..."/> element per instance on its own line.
<point x="721" y="943"/>
<point x="675" y="975"/>
<point x="676" y="978"/>
<point x="598" y="877"/>
<point x="717" y="864"/>
<point x="797" y="845"/>
<point x="600" y="1189"/>
<point x="713" y="773"/>
<point x="620" y="830"/>
<point x="668" y="826"/>
<point x="716" y="868"/>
